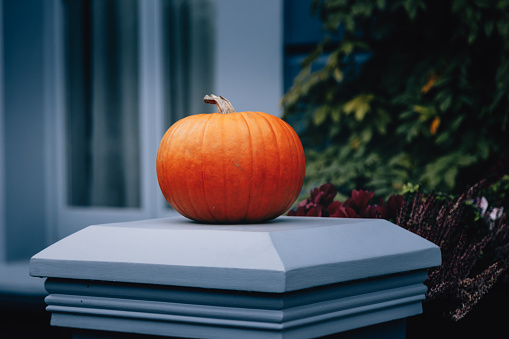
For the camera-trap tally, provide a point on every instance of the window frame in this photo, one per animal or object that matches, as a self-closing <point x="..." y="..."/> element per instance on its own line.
<point x="63" y="219"/>
<point x="251" y="64"/>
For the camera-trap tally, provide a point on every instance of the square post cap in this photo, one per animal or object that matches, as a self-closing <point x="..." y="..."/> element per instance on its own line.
<point x="283" y="255"/>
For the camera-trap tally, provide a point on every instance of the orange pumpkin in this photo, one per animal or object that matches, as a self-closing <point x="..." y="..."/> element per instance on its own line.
<point x="230" y="167"/>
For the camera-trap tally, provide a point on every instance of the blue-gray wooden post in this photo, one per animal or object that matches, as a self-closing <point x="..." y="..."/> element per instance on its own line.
<point x="293" y="277"/>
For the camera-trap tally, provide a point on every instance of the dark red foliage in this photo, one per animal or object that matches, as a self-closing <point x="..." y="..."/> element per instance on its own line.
<point x="324" y="195"/>
<point x="337" y="210"/>
<point x="390" y="210"/>
<point x="316" y="206"/>
<point x="359" y="200"/>
<point x="321" y="204"/>
<point x="370" y="212"/>
<point x="474" y="245"/>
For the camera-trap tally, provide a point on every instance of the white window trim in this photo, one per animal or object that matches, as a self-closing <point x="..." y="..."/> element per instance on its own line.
<point x="62" y="219"/>
<point x="238" y="69"/>
<point x="241" y="69"/>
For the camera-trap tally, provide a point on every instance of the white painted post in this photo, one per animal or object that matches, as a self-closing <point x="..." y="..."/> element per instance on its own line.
<point x="293" y="277"/>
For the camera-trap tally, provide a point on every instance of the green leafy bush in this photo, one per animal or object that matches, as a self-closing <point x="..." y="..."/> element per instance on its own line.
<point x="414" y="91"/>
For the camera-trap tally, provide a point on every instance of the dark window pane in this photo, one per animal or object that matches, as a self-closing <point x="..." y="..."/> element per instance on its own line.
<point x="188" y="63"/>
<point x="102" y="108"/>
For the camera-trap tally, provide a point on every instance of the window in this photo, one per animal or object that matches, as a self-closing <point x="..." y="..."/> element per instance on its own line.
<point x="129" y="70"/>
<point x="101" y="70"/>
<point x="102" y="97"/>
<point x="226" y="47"/>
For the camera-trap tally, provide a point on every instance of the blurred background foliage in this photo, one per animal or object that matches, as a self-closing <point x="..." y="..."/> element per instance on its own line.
<point x="412" y="91"/>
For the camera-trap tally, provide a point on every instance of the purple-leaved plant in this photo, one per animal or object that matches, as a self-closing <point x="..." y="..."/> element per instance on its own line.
<point x="473" y="237"/>
<point x="321" y="203"/>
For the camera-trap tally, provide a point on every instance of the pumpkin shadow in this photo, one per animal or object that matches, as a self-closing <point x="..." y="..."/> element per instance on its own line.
<point x="277" y="220"/>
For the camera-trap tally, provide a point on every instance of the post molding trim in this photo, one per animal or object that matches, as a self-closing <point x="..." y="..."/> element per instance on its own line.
<point x="145" y="310"/>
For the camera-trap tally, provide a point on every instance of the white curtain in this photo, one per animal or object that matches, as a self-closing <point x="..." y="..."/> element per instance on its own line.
<point x="115" y="172"/>
<point x="188" y="43"/>
<point x="102" y="79"/>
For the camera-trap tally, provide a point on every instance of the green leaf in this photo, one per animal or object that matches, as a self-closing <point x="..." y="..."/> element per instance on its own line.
<point x="412" y="132"/>
<point x="457" y="122"/>
<point x="366" y="135"/>
<point x="359" y="105"/>
<point x="338" y="75"/>
<point x="488" y="27"/>
<point x="457" y="5"/>
<point x="412" y="6"/>
<point x="450" y="176"/>
<point x="442" y="137"/>
<point x="425" y="112"/>
<point x="320" y="115"/>
<point x="446" y="103"/>
<point x="334" y="131"/>
<point x="350" y="24"/>
<point x="336" y="114"/>
<point x="503" y="28"/>
<point x="473" y="34"/>
<point x="382" y="119"/>
<point x="361" y="111"/>
<point x="483" y="148"/>
<point x="347" y="47"/>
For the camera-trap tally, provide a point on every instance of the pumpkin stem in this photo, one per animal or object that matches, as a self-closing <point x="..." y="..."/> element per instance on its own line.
<point x="223" y="105"/>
